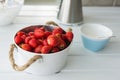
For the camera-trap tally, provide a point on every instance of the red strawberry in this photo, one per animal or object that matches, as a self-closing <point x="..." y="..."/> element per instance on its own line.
<point x="33" y="42"/>
<point x="58" y="35"/>
<point x="38" y="49"/>
<point x="53" y="40"/>
<point x="57" y="30"/>
<point x="62" y="45"/>
<point x="31" y="33"/>
<point x="69" y="35"/>
<point x="47" y="33"/>
<point x="63" y="36"/>
<point x="42" y="28"/>
<point x="40" y="41"/>
<point x="23" y="36"/>
<point x="18" y="39"/>
<point x="32" y="36"/>
<point x="39" y="33"/>
<point x="45" y="43"/>
<point x="55" y="49"/>
<point x="20" y="33"/>
<point x="26" y="47"/>
<point x="27" y="39"/>
<point x="46" y="49"/>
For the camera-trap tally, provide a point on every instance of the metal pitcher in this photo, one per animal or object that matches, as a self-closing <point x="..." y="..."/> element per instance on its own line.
<point x="70" y="12"/>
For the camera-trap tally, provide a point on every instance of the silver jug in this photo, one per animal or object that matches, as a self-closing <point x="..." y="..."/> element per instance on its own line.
<point x="70" y="12"/>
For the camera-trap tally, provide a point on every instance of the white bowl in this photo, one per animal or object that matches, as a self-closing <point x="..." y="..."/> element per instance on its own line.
<point x="95" y="36"/>
<point x="49" y="63"/>
<point x="9" y="12"/>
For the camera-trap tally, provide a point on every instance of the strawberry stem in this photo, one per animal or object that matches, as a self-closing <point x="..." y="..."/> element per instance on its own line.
<point x="69" y="30"/>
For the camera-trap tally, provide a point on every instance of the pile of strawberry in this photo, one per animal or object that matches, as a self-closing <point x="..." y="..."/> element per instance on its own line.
<point x="42" y="41"/>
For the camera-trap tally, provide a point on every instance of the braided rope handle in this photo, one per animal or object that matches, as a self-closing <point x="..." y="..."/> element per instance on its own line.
<point x="25" y="66"/>
<point x="51" y="23"/>
<point x="55" y="24"/>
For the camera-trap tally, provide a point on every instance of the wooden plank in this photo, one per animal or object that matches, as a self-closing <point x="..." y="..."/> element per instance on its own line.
<point x="84" y="75"/>
<point x="93" y="62"/>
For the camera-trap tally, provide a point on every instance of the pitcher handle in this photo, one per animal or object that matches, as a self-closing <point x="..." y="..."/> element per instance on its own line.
<point x="26" y="65"/>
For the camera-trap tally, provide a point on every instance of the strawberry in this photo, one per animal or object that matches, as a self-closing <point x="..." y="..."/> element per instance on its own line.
<point x="32" y="36"/>
<point x="45" y="43"/>
<point x="38" y="49"/>
<point x="57" y="30"/>
<point x="26" y="47"/>
<point x="40" y="41"/>
<point x="63" y="36"/>
<point x="31" y="33"/>
<point x="53" y="40"/>
<point x="55" y="49"/>
<point x="69" y="35"/>
<point x="58" y="35"/>
<point x="18" y="39"/>
<point x="39" y="33"/>
<point x="46" y="49"/>
<point x="23" y="36"/>
<point x="20" y="33"/>
<point x="33" y="43"/>
<point x="47" y="33"/>
<point x="42" y="28"/>
<point x="62" y="45"/>
<point x="27" y="39"/>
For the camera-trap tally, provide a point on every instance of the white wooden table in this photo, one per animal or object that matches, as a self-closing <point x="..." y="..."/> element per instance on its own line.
<point x="81" y="64"/>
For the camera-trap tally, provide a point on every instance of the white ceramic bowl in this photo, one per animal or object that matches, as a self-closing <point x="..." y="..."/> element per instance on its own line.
<point x="48" y="64"/>
<point x="8" y="12"/>
<point x="95" y="36"/>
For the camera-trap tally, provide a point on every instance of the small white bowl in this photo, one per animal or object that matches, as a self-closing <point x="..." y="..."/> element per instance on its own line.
<point x="95" y="36"/>
<point x="8" y="12"/>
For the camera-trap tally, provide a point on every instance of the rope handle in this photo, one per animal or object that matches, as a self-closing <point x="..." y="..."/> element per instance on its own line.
<point x="55" y="24"/>
<point x="25" y="66"/>
<point x="51" y="23"/>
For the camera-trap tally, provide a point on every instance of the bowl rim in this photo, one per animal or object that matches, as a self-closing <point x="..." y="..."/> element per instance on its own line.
<point x="94" y="24"/>
<point x="34" y="52"/>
